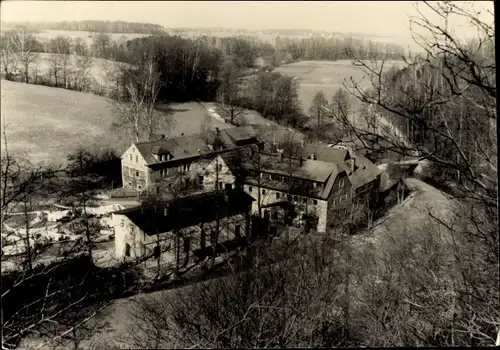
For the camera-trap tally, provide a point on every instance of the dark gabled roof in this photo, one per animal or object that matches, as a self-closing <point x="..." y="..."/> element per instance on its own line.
<point x="325" y="153"/>
<point x="313" y="170"/>
<point x="365" y="171"/>
<point x="194" y="145"/>
<point x="187" y="211"/>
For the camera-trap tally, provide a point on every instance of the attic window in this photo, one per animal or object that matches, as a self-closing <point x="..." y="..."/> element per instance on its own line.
<point x="130" y="157"/>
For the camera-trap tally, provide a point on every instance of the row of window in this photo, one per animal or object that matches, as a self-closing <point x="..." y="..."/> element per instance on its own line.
<point x="286" y="179"/>
<point x="180" y="168"/>
<point x="136" y="158"/>
<point x="340" y="199"/>
<point x="164" y="157"/>
<point x="289" y="197"/>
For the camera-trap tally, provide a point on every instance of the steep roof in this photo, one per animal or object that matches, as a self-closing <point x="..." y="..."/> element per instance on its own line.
<point x="314" y="170"/>
<point x="311" y="170"/>
<point x="193" y="145"/>
<point x="366" y="171"/>
<point x="187" y="211"/>
<point x="325" y="153"/>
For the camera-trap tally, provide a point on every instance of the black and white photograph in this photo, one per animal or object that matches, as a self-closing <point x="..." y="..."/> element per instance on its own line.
<point x="248" y="174"/>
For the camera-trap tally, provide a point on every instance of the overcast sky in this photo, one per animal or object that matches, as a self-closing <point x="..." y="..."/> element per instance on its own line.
<point x="388" y="18"/>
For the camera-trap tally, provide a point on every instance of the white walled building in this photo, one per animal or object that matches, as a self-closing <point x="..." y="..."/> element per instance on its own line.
<point x="147" y="165"/>
<point x="179" y="232"/>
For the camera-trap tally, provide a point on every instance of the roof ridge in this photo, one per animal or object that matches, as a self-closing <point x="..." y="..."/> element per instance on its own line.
<point x="171" y="138"/>
<point x="189" y="135"/>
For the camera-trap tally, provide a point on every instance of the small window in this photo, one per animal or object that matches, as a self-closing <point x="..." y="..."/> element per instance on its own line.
<point x="136" y="174"/>
<point x="237" y="231"/>
<point x="263" y="192"/>
<point x="200" y="179"/>
<point x="137" y="159"/>
<point x="130" y="157"/>
<point x="249" y="188"/>
<point x="127" y="249"/>
<point x="304" y="200"/>
<point x="341" y="182"/>
<point x="219" y="167"/>
<point x="187" y="244"/>
<point x="295" y="198"/>
<point x="277" y="195"/>
<point x="139" y="187"/>
<point x="315" y="201"/>
<point x="228" y="186"/>
<point x="220" y="185"/>
<point x="157" y="252"/>
<point x="157" y="189"/>
<point x="130" y="184"/>
<point x="335" y="201"/>
<point x="122" y="223"/>
<point x="289" y="197"/>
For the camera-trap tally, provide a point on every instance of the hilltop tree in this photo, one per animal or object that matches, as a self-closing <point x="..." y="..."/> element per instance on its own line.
<point x="316" y="110"/>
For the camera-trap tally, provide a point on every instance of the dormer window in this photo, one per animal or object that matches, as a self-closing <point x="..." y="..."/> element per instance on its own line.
<point x="160" y="157"/>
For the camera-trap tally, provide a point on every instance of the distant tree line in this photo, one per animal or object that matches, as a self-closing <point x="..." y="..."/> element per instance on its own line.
<point x="332" y="49"/>
<point x="93" y="26"/>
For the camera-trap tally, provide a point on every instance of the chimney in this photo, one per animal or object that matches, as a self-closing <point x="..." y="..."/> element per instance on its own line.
<point x="301" y="160"/>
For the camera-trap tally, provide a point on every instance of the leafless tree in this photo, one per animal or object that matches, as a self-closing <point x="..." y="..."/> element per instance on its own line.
<point x="9" y="58"/>
<point x="24" y="45"/>
<point x="316" y="110"/>
<point x="83" y="65"/>
<point x="442" y="108"/>
<point x="55" y="62"/>
<point x="266" y="302"/>
<point x="138" y="114"/>
<point x="229" y="92"/>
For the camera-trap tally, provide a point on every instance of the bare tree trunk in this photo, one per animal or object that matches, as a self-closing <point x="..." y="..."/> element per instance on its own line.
<point x="29" y="255"/>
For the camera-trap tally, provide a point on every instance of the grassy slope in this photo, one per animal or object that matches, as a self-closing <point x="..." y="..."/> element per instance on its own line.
<point x="97" y="72"/>
<point x="44" y="123"/>
<point x="313" y="76"/>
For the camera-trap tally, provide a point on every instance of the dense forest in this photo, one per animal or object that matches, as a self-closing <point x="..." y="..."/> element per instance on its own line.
<point x="92" y="26"/>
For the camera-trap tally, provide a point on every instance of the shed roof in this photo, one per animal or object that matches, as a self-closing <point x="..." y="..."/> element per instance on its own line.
<point x="187" y="211"/>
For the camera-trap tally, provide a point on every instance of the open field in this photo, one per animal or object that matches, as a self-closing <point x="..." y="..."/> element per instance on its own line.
<point x="47" y="34"/>
<point x="45" y="124"/>
<point x="99" y="72"/>
<point x="329" y="76"/>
